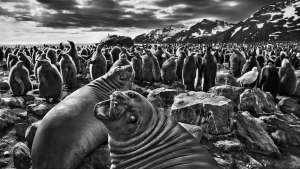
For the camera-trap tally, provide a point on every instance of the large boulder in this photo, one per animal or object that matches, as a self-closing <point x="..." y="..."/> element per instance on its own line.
<point x="163" y="97"/>
<point x="231" y="92"/>
<point x="251" y="130"/>
<point x="21" y="156"/>
<point x="212" y="112"/>
<point x="290" y="105"/>
<point x="285" y="129"/>
<point x="257" y="102"/>
<point x="39" y="109"/>
<point x="114" y="40"/>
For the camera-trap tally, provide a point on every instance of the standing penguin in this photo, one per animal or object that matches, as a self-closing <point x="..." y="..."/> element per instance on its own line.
<point x="98" y="65"/>
<point x="269" y="79"/>
<point x="74" y="55"/>
<point x="159" y="55"/>
<point x="122" y="61"/>
<point x="26" y="61"/>
<point x="19" y="80"/>
<point x="168" y="71"/>
<point x="50" y="85"/>
<point x="151" y="72"/>
<point x="115" y="52"/>
<point x="189" y="71"/>
<point x="68" y="71"/>
<point x="51" y="54"/>
<point x="287" y="78"/>
<point x="136" y="63"/>
<point x="38" y="64"/>
<point x="180" y="61"/>
<point x="1" y="55"/>
<point x="11" y="60"/>
<point x="250" y="63"/>
<point x="209" y="70"/>
<point x="198" y="59"/>
<point x="237" y="62"/>
<point x="109" y="59"/>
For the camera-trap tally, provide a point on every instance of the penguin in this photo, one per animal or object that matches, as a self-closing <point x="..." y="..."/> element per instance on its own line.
<point x="50" y="86"/>
<point x="38" y="64"/>
<point x="68" y="72"/>
<point x="122" y="61"/>
<point x="115" y="52"/>
<point x="98" y="65"/>
<point x="269" y="79"/>
<point x="150" y="72"/>
<point x="249" y="78"/>
<point x="237" y="62"/>
<point x="156" y="68"/>
<point x="11" y="60"/>
<point x="51" y="54"/>
<point x="198" y="82"/>
<point x="250" y="63"/>
<point x="159" y="55"/>
<point x="189" y="71"/>
<point x="7" y="52"/>
<point x="34" y="54"/>
<point x="1" y="55"/>
<point x="74" y="55"/>
<point x="208" y="70"/>
<point x="287" y="79"/>
<point x="26" y="61"/>
<point x="136" y="63"/>
<point x="180" y="61"/>
<point x="19" y="80"/>
<point x="109" y="59"/>
<point x="168" y="71"/>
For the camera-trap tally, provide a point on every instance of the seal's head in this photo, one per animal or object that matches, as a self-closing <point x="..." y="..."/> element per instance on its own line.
<point x="126" y="115"/>
<point x="120" y="75"/>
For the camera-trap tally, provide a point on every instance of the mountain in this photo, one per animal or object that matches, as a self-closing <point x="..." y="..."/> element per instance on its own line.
<point x="160" y="35"/>
<point x="181" y="33"/>
<point x="278" y="21"/>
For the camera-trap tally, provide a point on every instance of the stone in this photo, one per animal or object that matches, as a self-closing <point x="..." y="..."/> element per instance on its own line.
<point x="256" y="138"/>
<point x="225" y="78"/>
<point x="163" y="97"/>
<point x="194" y="130"/>
<point x="21" y="156"/>
<point x="21" y="129"/>
<point x="8" y="118"/>
<point x="229" y="145"/>
<point x="290" y="105"/>
<point x="30" y="133"/>
<point x="257" y="102"/>
<point x="285" y="129"/>
<point x="4" y="87"/>
<point x="248" y="162"/>
<point x="13" y="102"/>
<point x="93" y="162"/>
<point x="39" y="109"/>
<point x="213" y="113"/>
<point x="231" y="92"/>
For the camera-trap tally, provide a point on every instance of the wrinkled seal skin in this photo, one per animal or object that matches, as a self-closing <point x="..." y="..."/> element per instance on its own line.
<point x="70" y="131"/>
<point x="140" y="137"/>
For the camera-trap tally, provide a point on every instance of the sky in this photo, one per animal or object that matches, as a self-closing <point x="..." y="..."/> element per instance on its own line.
<point x="88" y="21"/>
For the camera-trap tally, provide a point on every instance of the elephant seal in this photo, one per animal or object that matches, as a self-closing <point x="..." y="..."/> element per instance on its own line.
<point x="19" y="80"/>
<point x="69" y="131"/>
<point x="139" y="136"/>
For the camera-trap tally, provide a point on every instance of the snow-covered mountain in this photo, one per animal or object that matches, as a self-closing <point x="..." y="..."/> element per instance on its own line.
<point x="181" y="33"/>
<point x="277" y="21"/>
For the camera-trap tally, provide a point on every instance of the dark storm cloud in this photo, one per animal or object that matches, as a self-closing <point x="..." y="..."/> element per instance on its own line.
<point x="106" y="15"/>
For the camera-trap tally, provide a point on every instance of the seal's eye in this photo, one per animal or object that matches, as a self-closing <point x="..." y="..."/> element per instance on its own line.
<point x="132" y="119"/>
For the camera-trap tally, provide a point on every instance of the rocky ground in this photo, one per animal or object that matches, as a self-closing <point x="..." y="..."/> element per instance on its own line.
<point x="243" y="128"/>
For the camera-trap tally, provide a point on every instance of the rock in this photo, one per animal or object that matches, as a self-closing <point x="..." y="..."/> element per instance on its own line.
<point x="225" y="78"/>
<point x="30" y="133"/>
<point x="248" y="162"/>
<point x="257" y="102"/>
<point x="196" y="131"/>
<point x="162" y="97"/>
<point x="21" y="156"/>
<point x="93" y="162"/>
<point x="256" y="138"/>
<point x="230" y="92"/>
<point x="4" y="162"/>
<point x="225" y="161"/>
<point x="290" y="105"/>
<point x="287" y="162"/>
<point x="13" y="102"/>
<point x="8" y="118"/>
<point x="229" y="145"/>
<point x="21" y="129"/>
<point x="40" y="109"/>
<point x="214" y="113"/>
<point x="4" y="87"/>
<point x="285" y="130"/>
